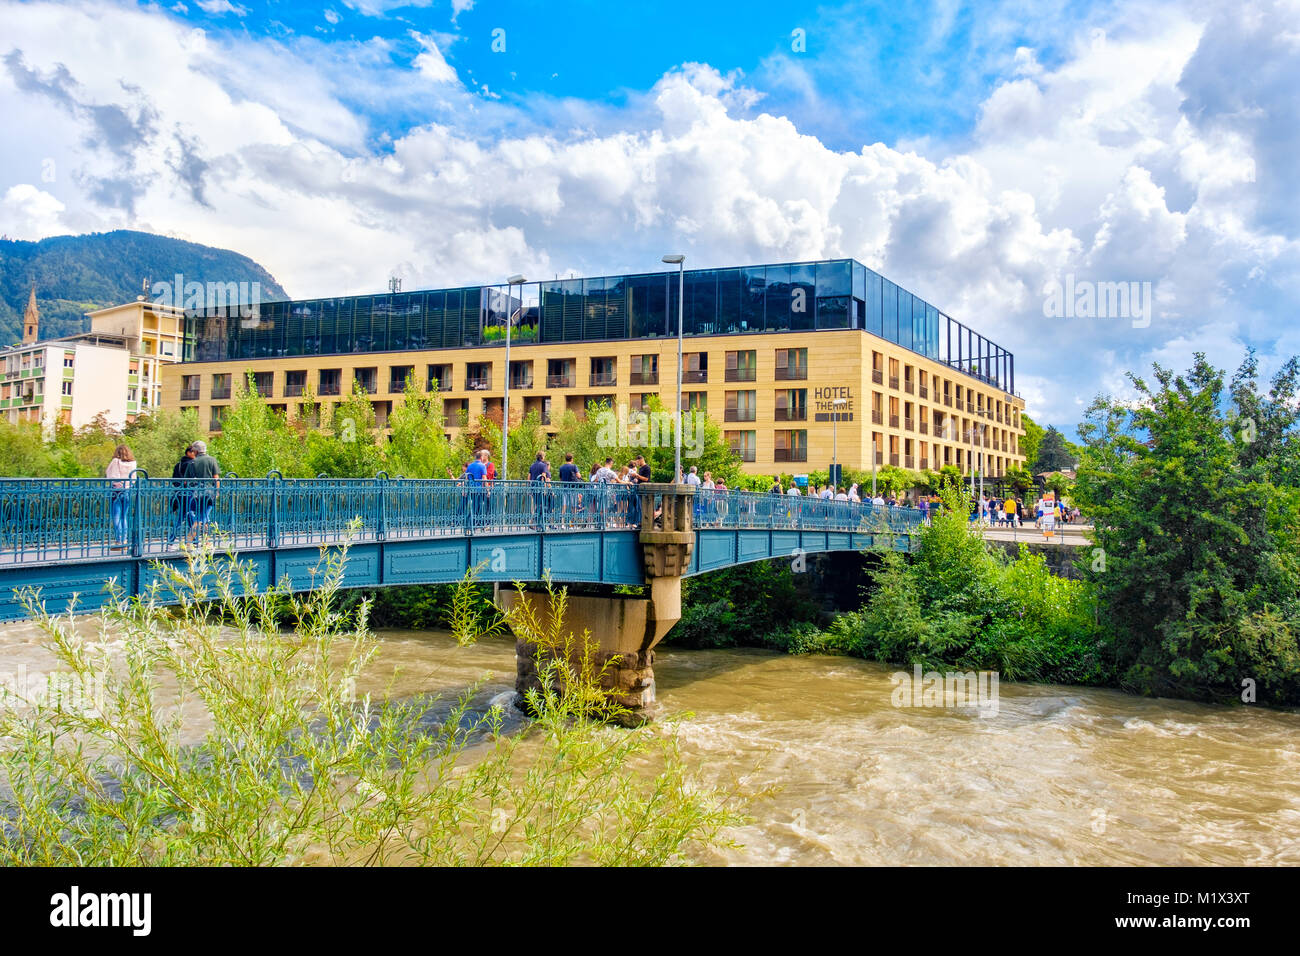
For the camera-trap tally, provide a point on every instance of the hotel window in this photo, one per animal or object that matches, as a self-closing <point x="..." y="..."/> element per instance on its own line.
<point x="295" y="383"/>
<point x="909" y="383"/>
<point x="741" y="407"/>
<point x="791" y="445"/>
<point x="645" y="370"/>
<point x="695" y="401"/>
<point x="67" y="390"/>
<point x="190" y="388"/>
<point x="893" y="373"/>
<point x="695" y="367"/>
<point x="67" y="361"/>
<point x="791" y="364"/>
<point x="367" y="379"/>
<point x="604" y="371"/>
<point x="397" y="376"/>
<point x="221" y="385"/>
<point x="792" y="405"/>
<point x="263" y="383"/>
<point x="219" y="413"/>
<point x="741" y="366"/>
<point x="331" y="381"/>
<point x="521" y="374"/>
<point x="559" y="373"/>
<point x="478" y="376"/>
<point x="439" y="378"/>
<point x="743" y="444"/>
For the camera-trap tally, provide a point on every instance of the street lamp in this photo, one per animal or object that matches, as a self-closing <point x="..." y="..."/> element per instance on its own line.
<point x="835" y="441"/>
<point x="679" y="261"/>
<point x="515" y="280"/>
<point x="875" y="455"/>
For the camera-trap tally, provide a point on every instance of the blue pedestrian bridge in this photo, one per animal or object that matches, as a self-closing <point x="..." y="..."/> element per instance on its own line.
<point x="70" y="537"/>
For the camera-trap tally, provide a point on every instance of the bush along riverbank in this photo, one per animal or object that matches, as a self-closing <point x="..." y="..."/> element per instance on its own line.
<point x="955" y="603"/>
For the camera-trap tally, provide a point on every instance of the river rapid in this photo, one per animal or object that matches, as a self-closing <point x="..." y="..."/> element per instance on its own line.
<point x="1058" y="775"/>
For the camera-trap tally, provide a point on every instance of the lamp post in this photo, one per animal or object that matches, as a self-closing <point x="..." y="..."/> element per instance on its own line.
<point x="835" y="441"/>
<point x="679" y="261"/>
<point x="515" y="280"/>
<point x="875" y="453"/>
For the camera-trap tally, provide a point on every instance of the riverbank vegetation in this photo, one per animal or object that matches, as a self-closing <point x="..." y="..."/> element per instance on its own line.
<point x="206" y="735"/>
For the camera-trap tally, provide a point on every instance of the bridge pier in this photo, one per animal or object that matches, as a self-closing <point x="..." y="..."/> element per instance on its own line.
<point x="623" y="630"/>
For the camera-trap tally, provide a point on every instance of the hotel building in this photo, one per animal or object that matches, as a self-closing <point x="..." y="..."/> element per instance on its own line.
<point x="792" y="359"/>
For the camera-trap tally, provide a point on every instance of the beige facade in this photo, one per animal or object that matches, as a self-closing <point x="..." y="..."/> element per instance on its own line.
<point x="774" y="394"/>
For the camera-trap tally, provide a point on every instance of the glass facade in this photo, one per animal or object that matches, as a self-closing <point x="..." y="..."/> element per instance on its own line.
<point x="788" y="297"/>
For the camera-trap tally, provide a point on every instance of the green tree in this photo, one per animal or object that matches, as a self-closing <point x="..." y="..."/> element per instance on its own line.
<point x="254" y="440"/>
<point x="417" y="446"/>
<point x="1053" y="453"/>
<point x="160" y="438"/>
<point x="23" y="451"/>
<point x="347" y="448"/>
<point x="1030" y="441"/>
<point x="1196" y="507"/>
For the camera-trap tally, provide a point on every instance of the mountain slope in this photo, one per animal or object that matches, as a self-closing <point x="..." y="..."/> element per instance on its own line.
<point x="75" y="274"/>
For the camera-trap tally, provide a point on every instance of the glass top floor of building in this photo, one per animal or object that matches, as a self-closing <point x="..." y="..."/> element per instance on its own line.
<point x="786" y="297"/>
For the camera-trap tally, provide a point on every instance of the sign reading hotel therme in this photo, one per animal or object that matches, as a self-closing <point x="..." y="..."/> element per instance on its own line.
<point x="824" y="407"/>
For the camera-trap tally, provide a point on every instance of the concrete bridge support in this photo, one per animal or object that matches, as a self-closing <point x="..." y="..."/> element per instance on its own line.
<point x="623" y="630"/>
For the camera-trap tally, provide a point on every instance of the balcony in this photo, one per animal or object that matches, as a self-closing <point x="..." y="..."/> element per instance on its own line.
<point x="214" y="425"/>
<point x="878" y="376"/>
<point x="792" y="414"/>
<point x="695" y="376"/>
<point x="645" y="378"/>
<point x="893" y="381"/>
<point x="893" y="460"/>
<point x="478" y="383"/>
<point x="790" y="454"/>
<point x="925" y="464"/>
<point x="893" y="421"/>
<point x="877" y="417"/>
<point x="369" y="386"/>
<point x="295" y="390"/>
<point x="791" y="373"/>
<point x="521" y="381"/>
<point x="396" y="385"/>
<point x="740" y="374"/>
<point x="603" y="379"/>
<point x="739" y="415"/>
<point x="909" y="424"/>
<point x="880" y="458"/>
<point x="947" y="400"/>
<point x="909" y="462"/>
<point x="925" y="427"/>
<point x="189" y="394"/>
<point x="220" y="391"/>
<point x="329" y="388"/>
<point x="560" y="381"/>
<point x="744" y="454"/>
<point x="923" y="391"/>
<point x="909" y="386"/>
<point x="261" y="389"/>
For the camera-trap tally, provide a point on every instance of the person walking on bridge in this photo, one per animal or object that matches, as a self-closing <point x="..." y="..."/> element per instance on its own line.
<point x="180" y="498"/>
<point x="204" y="475"/>
<point x="119" y="470"/>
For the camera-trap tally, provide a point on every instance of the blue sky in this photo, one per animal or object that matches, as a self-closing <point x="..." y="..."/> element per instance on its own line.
<point x="977" y="154"/>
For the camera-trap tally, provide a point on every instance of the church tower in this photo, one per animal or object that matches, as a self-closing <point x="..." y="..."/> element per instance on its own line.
<point x="31" y="319"/>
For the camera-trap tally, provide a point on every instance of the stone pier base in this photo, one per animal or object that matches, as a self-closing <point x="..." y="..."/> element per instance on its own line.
<point x="623" y="633"/>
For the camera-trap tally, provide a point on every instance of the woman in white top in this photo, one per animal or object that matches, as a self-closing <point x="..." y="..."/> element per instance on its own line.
<point x="119" y="470"/>
<point x="853" y="494"/>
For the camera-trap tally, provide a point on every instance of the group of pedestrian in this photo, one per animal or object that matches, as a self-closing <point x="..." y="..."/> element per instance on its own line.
<point x="196" y="480"/>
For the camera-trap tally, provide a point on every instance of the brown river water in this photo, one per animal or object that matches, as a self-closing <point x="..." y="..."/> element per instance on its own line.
<point x="1059" y="775"/>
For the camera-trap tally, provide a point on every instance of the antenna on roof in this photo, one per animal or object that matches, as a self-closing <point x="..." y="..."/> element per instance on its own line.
<point x="394" y="284"/>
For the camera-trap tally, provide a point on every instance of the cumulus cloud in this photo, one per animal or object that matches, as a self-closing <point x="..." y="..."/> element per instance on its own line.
<point x="1116" y="163"/>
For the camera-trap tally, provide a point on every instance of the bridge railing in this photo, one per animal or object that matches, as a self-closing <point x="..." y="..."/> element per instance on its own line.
<point x="47" y="520"/>
<point x="732" y="509"/>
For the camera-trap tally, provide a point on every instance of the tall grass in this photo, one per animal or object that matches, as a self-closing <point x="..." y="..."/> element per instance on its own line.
<point x="217" y="737"/>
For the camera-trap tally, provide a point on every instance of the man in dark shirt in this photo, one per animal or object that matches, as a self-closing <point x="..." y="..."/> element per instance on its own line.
<point x="642" y="469"/>
<point x="539" y="472"/>
<point x="180" y="497"/>
<point x="204" y="477"/>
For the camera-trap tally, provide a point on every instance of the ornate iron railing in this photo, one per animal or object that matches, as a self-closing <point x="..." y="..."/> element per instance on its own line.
<point x="50" y="520"/>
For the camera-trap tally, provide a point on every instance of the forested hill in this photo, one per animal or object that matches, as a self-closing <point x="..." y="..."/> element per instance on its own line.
<point x="75" y="274"/>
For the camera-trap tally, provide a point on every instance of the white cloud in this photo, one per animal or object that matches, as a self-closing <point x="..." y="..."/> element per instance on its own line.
<point x="29" y="213"/>
<point x="219" y="7"/>
<point x="430" y="63"/>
